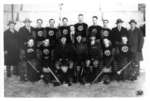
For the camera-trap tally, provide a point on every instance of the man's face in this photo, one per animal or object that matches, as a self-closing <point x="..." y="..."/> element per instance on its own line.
<point x="27" y="24"/>
<point x="105" y="23"/>
<point x="80" y="18"/>
<point x="94" y="21"/>
<point x="119" y="25"/>
<point x="133" y="25"/>
<point x="124" y="40"/>
<point x="106" y="42"/>
<point x="52" y="22"/>
<point x="65" y="21"/>
<point x="93" y="38"/>
<point x="12" y="26"/>
<point x="63" y="40"/>
<point x="39" y="23"/>
<point x="30" y="43"/>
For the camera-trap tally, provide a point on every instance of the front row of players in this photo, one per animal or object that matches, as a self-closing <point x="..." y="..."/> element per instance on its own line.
<point x="84" y="62"/>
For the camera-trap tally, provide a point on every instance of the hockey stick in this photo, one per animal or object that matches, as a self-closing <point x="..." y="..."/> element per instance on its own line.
<point x="101" y="72"/>
<point x="33" y="67"/>
<point x="97" y="76"/>
<point x="124" y="67"/>
<point x="54" y="75"/>
<point x="82" y="71"/>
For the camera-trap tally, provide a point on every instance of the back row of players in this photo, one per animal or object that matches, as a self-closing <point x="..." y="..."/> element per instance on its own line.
<point x="78" y="53"/>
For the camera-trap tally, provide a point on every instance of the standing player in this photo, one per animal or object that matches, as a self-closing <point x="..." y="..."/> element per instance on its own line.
<point x="106" y="32"/>
<point x="81" y="27"/>
<point x="39" y="23"/>
<point x="64" y="30"/>
<point x="40" y="36"/>
<point x="51" y="34"/>
<point x="95" y="29"/>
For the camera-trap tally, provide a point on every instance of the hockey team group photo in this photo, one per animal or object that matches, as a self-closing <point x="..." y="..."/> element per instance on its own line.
<point x="74" y="52"/>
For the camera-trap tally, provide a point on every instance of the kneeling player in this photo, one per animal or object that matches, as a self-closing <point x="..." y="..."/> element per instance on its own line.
<point x="125" y="56"/>
<point x="94" y="57"/>
<point x="108" y="53"/>
<point x="33" y="65"/>
<point x="81" y="54"/>
<point x="46" y="61"/>
<point x="64" y="64"/>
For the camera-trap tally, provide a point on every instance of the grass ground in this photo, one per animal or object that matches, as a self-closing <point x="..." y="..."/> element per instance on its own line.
<point x="14" y="88"/>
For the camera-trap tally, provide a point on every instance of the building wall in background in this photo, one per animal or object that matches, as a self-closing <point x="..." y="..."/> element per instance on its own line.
<point x="70" y="9"/>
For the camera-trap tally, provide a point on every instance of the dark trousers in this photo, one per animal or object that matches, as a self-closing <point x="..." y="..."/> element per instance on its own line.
<point x="15" y="70"/>
<point x="79" y="72"/>
<point x="8" y="71"/>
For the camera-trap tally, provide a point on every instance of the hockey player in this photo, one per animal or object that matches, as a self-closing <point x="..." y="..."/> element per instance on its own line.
<point x="64" y="30"/>
<point x="124" y="57"/>
<point x="46" y="61"/>
<point x="94" y="57"/>
<point x="39" y="23"/>
<point x="81" y="54"/>
<point x="63" y="60"/>
<point x="108" y="60"/>
<point x="81" y="27"/>
<point x="33" y="69"/>
<point x="95" y="29"/>
<point x="51" y="34"/>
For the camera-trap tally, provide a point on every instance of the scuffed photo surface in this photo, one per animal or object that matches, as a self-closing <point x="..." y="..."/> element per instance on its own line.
<point x="22" y="82"/>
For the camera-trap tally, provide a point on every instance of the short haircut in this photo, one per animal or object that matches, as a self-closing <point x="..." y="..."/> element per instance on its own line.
<point x="106" y="20"/>
<point x="64" y="18"/>
<point x="39" y="20"/>
<point x="51" y="20"/>
<point x="95" y="17"/>
<point x="80" y="14"/>
<point x="71" y="25"/>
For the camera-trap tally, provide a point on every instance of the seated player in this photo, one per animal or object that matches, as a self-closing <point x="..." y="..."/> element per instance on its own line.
<point x="94" y="57"/>
<point x="63" y="58"/>
<point x="124" y="57"/>
<point x="46" y="61"/>
<point x="81" y="54"/>
<point x="33" y="65"/>
<point x="108" y="60"/>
